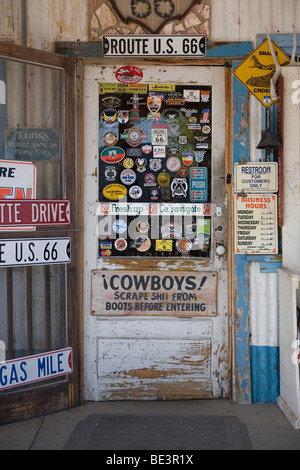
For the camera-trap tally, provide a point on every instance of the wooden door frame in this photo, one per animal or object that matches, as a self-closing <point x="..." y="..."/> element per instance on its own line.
<point x="56" y="396"/>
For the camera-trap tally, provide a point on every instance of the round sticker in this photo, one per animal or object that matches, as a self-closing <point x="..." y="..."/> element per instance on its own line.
<point x="119" y="226"/>
<point x="121" y="244"/>
<point x="135" y="192"/>
<point x="143" y="226"/>
<point x="109" y="116"/>
<point x="173" y="164"/>
<point x="206" y="129"/>
<point x="112" y="155"/>
<point x="129" y="74"/>
<point x="128" y="163"/>
<point x="184" y="245"/>
<point x="183" y="172"/>
<point x="149" y="179"/>
<point x="110" y="138"/>
<point x="163" y="179"/>
<point x="128" y="176"/>
<point x="114" y="192"/>
<point x="142" y="243"/>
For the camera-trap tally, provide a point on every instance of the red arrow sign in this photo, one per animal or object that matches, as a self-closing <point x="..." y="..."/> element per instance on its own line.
<point x="20" y="212"/>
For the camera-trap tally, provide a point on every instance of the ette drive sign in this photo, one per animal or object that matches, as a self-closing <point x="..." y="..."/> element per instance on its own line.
<point x="17" y="181"/>
<point x="256" y="71"/>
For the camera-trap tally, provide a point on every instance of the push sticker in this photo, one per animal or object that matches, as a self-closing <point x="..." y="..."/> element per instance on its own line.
<point x="198" y="184"/>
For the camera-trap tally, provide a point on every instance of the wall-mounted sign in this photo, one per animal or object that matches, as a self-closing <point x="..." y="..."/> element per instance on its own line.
<point x="136" y="209"/>
<point x="256" y="177"/>
<point x="38" y="251"/>
<point x="154" y="293"/>
<point x="17" y="181"/>
<point x="256" y="71"/>
<point x="28" y="370"/>
<point x="256" y="224"/>
<point x="38" y="212"/>
<point x="148" y="46"/>
<point x="32" y="144"/>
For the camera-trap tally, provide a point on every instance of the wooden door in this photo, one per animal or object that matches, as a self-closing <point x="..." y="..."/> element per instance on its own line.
<point x="40" y="301"/>
<point x="158" y="327"/>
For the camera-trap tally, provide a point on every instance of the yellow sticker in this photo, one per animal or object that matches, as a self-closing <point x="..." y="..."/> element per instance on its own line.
<point x="164" y="245"/>
<point x="161" y="87"/>
<point x="114" y="192"/>
<point x="122" y="88"/>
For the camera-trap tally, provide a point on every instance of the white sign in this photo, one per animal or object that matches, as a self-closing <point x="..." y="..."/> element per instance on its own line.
<point x="162" y="45"/>
<point x="135" y="209"/>
<point x="17" y="181"/>
<point x="256" y="177"/>
<point x="24" y="252"/>
<point x="27" y="370"/>
<point x="256" y="224"/>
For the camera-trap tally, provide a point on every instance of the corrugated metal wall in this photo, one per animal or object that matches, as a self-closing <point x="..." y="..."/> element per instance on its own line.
<point x="68" y="20"/>
<point x="241" y="20"/>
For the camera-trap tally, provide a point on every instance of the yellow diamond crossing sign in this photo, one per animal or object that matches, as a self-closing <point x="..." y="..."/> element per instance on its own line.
<point x="256" y="71"/>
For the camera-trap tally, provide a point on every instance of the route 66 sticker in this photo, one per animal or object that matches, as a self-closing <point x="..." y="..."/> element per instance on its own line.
<point x="159" y="135"/>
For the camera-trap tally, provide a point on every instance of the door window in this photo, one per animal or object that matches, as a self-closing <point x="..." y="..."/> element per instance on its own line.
<point x="155" y="170"/>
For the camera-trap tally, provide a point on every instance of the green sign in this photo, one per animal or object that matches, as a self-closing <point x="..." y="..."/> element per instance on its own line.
<point x="32" y="144"/>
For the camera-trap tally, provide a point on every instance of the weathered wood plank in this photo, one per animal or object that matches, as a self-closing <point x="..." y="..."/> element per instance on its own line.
<point x="154" y="293"/>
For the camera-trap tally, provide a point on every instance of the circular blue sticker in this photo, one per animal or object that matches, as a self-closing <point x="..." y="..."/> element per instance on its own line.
<point x="119" y="226"/>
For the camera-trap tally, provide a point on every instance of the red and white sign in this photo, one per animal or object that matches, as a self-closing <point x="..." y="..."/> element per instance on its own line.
<point x="32" y="369"/>
<point x="129" y="74"/>
<point x="17" y="181"/>
<point x="34" y="212"/>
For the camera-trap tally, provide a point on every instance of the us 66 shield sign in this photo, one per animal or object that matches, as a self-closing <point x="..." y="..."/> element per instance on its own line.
<point x="24" y="252"/>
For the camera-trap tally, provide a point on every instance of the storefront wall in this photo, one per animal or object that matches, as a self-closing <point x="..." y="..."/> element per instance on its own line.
<point x="255" y="335"/>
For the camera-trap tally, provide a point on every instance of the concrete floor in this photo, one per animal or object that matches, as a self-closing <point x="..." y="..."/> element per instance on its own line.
<point x="267" y="426"/>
